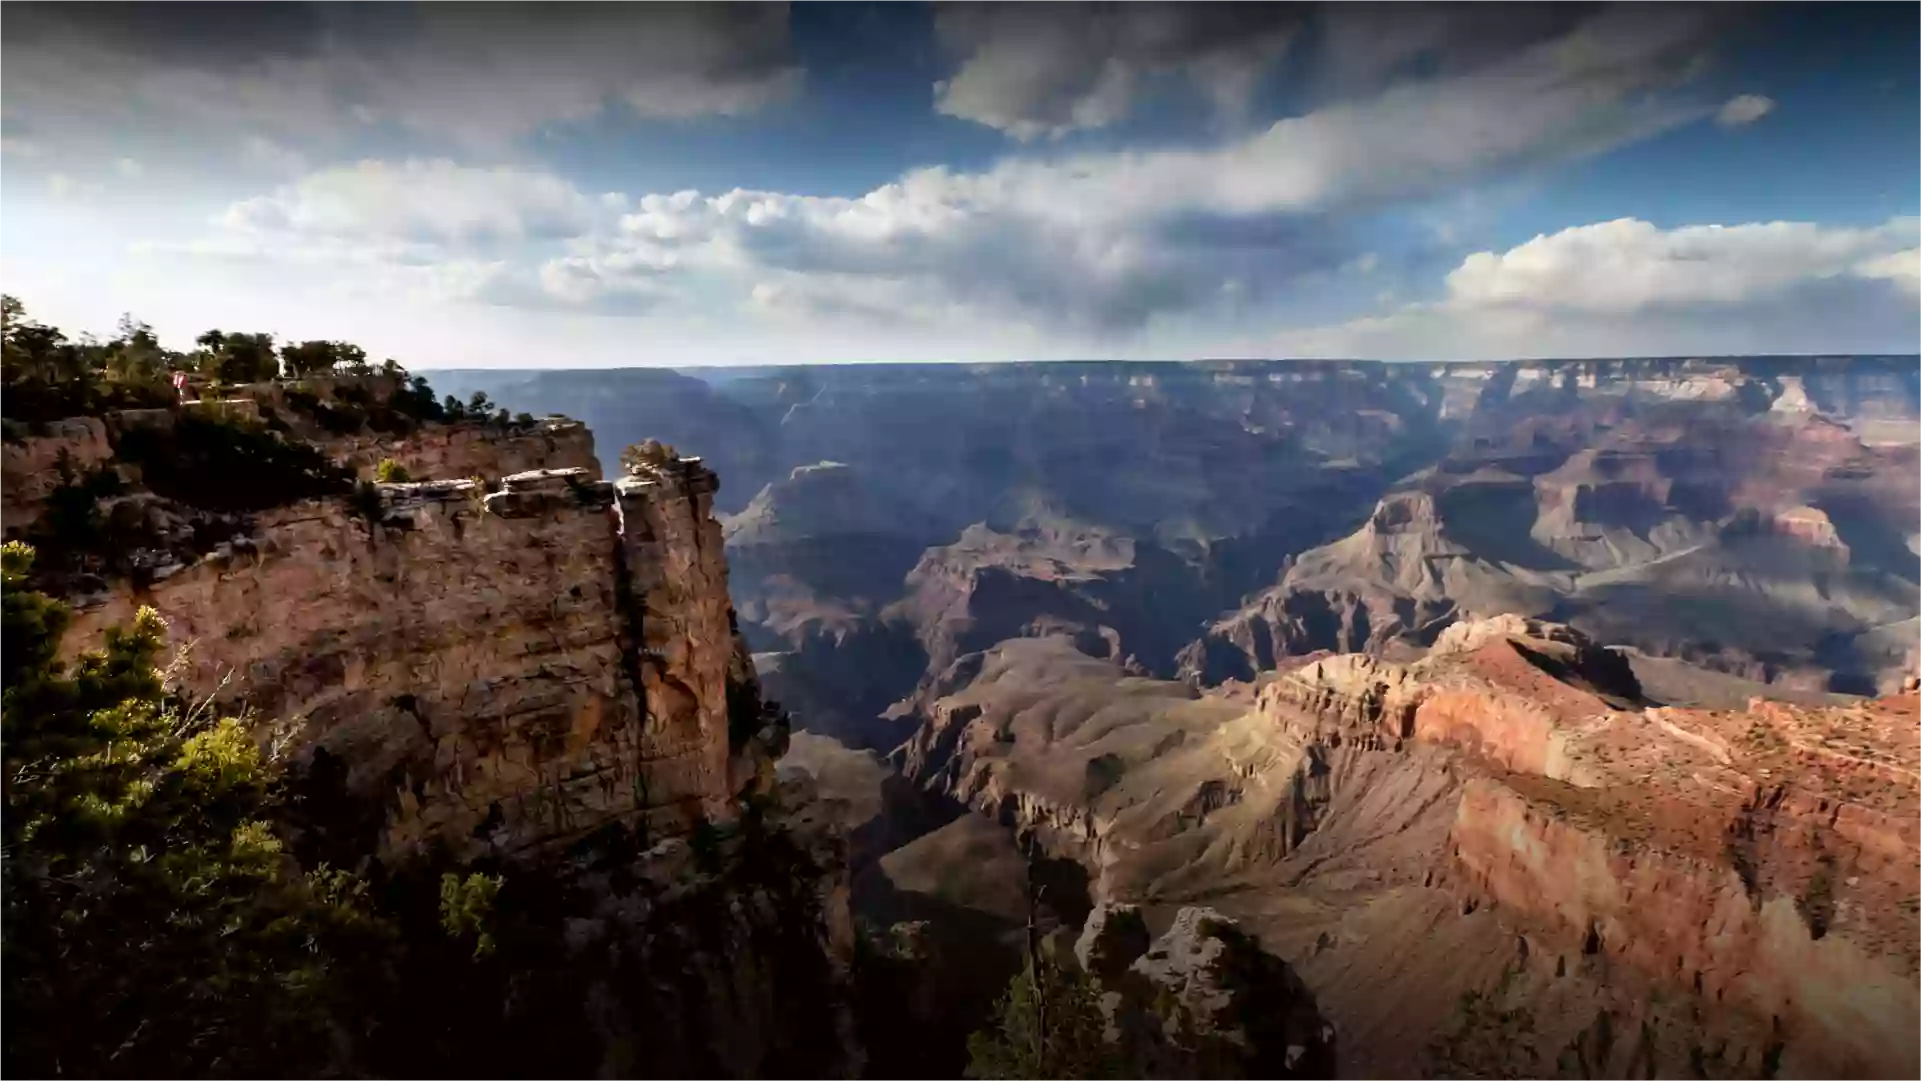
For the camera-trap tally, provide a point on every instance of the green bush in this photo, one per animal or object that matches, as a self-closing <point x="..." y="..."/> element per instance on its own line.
<point x="153" y="926"/>
<point x="1069" y="1044"/>
<point x="44" y="376"/>
<point x="230" y="465"/>
<point x="391" y="472"/>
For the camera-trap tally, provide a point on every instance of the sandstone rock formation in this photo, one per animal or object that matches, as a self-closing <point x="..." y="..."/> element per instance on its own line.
<point x="497" y="669"/>
<point x="1766" y="546"/>
<point x="510" y="660"/>
<point x="1669" y="503"/>
<point x="1508" y="819"/>
<point x="1214" y="1004"/>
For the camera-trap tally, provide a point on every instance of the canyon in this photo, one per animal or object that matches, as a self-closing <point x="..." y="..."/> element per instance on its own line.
<point x="1356" y="720"/>
<point x="507" y="663"/>
<point x="1430" y="676"/>
<point x="1756" y="516"/>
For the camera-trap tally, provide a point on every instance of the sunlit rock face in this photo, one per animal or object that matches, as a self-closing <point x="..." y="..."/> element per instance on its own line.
<point x="498" y="671"/>
<point x="1509" y="813"/>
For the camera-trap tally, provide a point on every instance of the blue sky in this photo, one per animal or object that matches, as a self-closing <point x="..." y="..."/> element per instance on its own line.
<point x="600" y="185"/>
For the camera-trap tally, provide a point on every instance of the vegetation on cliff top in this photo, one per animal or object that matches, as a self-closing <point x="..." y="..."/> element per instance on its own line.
<point x="47" y="376"/>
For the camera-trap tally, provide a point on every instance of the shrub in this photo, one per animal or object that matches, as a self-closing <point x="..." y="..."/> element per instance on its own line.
<point x="651" y="454"/>
<point x="1068" y="1044"/>
<point x="391" y="472"/>
<point x="467" y="908"/>
<point x="230" y="465"/>
<point x="153" y="926"/>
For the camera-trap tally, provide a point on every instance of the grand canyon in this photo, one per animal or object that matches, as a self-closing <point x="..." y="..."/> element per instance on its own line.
<point x="1495" y="719"/>
<point x="1430" y="674"/>
<point x="953" y="539"/>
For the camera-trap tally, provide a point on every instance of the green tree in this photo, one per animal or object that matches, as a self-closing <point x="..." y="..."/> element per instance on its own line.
<point x="391" y="472"/>
<point x="323" y="358"/>
<point x="134" y="357"/>
<point x="1047" y="1025"/>
<point x="154" y="925"/>
<point x="237" y="358"/>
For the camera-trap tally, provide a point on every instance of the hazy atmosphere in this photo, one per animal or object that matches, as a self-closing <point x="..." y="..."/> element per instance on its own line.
<point x="996" y="541"/>
<point x="555" y="185"/>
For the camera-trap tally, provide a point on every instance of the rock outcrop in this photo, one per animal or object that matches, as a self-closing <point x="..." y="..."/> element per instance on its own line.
<point x="1769" y="546"/>
<point x="1201" y="1000"/>
<point x="497" y="670"/>
<point x="456" y="451"/>
<point x="513" y="663"/>
<point x="1514" y="802"/>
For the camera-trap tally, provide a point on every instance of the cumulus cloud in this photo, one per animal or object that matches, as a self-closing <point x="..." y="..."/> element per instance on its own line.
<point x="271" y="156"/>
<point x="1108" y="241"/>
<point x="1744" y="109"/>
<point x="423" y="229"/>
<point x="1628" y="266"/>
<point x="430" y="200"/>
<point x="1903" y="268"/>
<point x="1100" y="243"/>
<point x="1765" y="287"/>
<point x="476" y="74"/>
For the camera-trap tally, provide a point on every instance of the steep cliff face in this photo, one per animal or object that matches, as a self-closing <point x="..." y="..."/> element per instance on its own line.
<point x="1775" y="547"/>
<point x="31" y="468"/>
<point x="536" y="674"/>
<point x="1508" y="818"/>
<point x="497" y="670"/>
<point x="453" y="452"/>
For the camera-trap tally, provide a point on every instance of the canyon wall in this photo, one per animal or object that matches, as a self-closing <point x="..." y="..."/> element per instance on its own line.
<point x="505" y="653"/>
<point x="497" y="670"/>
<point x="1509" y="818"/>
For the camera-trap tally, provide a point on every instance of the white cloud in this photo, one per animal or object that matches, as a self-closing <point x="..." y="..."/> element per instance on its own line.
<point x="425" y="229"/>
<point x="1108" y="241"/>
<point x="1744" y="109"/>
<point x="1628" y="286"/>
<point x="62" y="186"/>
<point x="1903" y="268"/>
<point x="433" y="200"/>
<point x="272" y="156"/>
<point x="21" y="148"/>
<point x="1628" y="266"/>
<point x="129" y="168"/>
<point x="1093" y="243"/>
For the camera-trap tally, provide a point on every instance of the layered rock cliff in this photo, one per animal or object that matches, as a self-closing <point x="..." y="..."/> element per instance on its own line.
<point x="1773" y="547"/>
<point x="1510" y="822"/>
<point x="497" y="669"/>
<point x="515" y="667"/>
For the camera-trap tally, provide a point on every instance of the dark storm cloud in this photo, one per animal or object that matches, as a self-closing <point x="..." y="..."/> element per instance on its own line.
<point x="1045" y="70"/>
<point x="472" y="74"/>
<point x="189" y="33"/>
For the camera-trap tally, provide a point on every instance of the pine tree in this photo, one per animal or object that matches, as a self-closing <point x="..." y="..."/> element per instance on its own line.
<point x="153" y="923"/>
